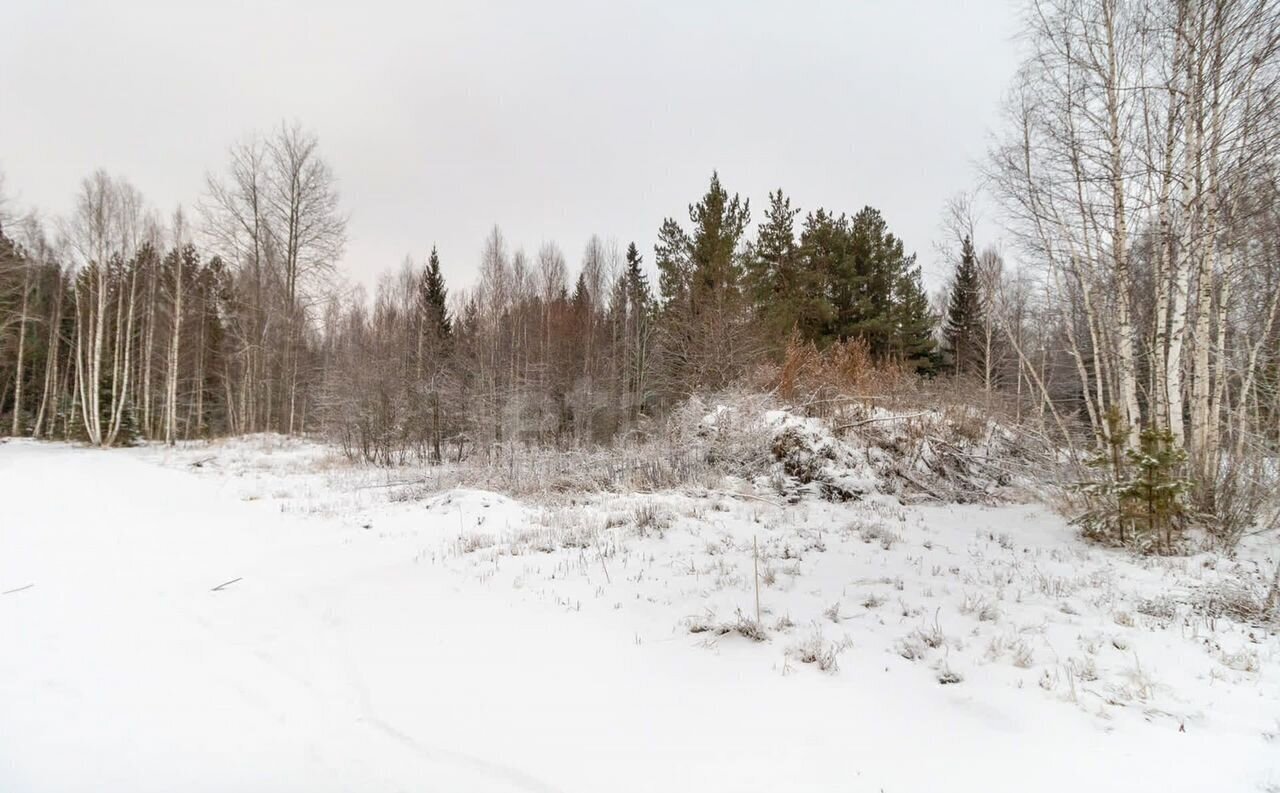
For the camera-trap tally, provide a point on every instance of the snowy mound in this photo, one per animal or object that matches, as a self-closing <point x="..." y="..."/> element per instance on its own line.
<point x="930" y="455"/>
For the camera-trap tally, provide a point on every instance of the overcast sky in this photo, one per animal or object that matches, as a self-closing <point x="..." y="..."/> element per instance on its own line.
<point x="555" y="120"/>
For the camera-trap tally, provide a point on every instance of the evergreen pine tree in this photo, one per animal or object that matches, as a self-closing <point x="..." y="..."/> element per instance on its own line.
<point x="704" y="313"/>
<point x="823" y="253"/>
<point x="774" y="278"/>
<point x="963" y="327"/>
<point x="672" y="257"/>
<point x="718" y="224"/>
<point x="865" y="283"/>
<point x="861" y="284"/>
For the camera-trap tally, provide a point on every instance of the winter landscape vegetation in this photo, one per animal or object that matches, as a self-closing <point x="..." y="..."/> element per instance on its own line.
<point x="749" y="503"/>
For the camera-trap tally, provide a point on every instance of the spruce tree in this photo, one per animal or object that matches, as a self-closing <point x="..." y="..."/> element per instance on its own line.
<point x="635" y="288"/>
<point x="433" y="298"/>
<point x="963" y="328"/>
<point x="637" y="283"/>
<point x="913" y="322"/>
<point x="582" y="298"/>
<point x="435" y="348"/>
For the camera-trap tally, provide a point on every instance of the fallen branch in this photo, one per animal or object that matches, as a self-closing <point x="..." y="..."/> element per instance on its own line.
<point x="732" y="494"/>
<point x="422" y="481"/>
<point x="225" y="584"/>
<point x="926" y="488"/>
<point x="844" y="427"/>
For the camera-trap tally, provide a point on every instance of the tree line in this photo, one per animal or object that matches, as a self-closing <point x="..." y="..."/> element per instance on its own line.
<point x="119" y="325"/>
<point x="531" y="355"/>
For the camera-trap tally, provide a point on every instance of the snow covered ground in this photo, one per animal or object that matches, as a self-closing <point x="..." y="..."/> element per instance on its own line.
<point x="383" y="631"/>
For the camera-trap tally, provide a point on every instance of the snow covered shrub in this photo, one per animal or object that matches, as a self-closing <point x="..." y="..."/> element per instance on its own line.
<point x="932" y="636"/>
<point x="1235" y="599"/>
<point x="729" y="435"/>
<point x="701" y="623"/>
<point x="877" y="533"/>
<point x="471" y="543"/>
<point x="1140" y="686"/>
<point x="1244" y="494"/>
<point x="746" y="627"/>
<point x="1019" y="651"/>
<point x="1242" y="661"/>
<point x="802" y="455"/>
<point x="979" y="607"/>
<point x="651" y="517"/>
<point x="1140" y="500"/>
<point x="741" y="624"/>
<point x="808" y="454"/>
<point x="818" y="651"/>
<point x="946" y="676"/>
<point x="1083" y="669"/>
<point x="910" y="648"/>
<point x="1161" y="608"/>
<point x="769" y="575"/>
<point x="967" y="422"/>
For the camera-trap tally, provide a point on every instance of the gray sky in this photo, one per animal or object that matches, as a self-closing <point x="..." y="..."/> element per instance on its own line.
<point x="555" y="120"/>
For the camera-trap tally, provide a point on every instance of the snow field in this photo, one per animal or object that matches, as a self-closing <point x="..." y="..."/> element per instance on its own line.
<point x="382" y="636"/>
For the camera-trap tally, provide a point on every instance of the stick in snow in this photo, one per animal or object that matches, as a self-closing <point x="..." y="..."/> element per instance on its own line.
<point x="755" y="551"/>
<point x="19" y="589"/>
<point x="224" y="584"/>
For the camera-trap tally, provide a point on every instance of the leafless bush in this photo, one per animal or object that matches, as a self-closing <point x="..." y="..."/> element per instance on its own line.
<point x="650" y="517"/>
<point x="980" y="607"/>
<point x="1161" y="607"/>
<point x="1236" y="599"/>
<point x="741" y="624"/>
<point x="1245" y="497"/>
<point x="877" y="533"/>
<point x="910" y="648"/>
<point x="931" y="636"/>
<point x="823" y="378"/>
<point x="746" y="627"/>
<point x="818" y="651"/>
